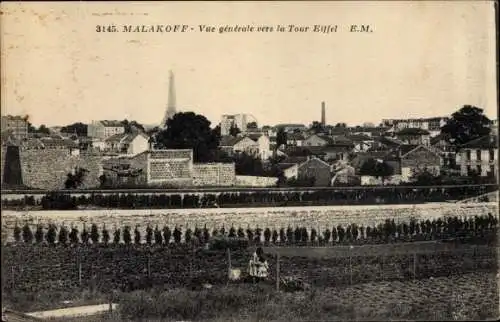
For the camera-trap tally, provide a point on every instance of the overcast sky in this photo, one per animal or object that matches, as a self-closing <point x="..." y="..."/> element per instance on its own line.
<point x="422" y="59"/>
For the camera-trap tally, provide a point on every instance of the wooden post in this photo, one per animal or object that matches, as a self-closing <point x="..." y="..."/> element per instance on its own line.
<point x="79" y="270"/>
<point x="277" y="271"/>
<point x="12" y="278"/>
<point x="414" y="265"/>
<point x="228" y="265"/>
<point x="350" y="266"/>
<point x="149" y="265"/>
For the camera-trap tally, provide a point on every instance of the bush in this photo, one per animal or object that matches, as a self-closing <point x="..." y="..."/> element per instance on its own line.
<point x="94" y="234"/>
<point x="51" y="234"/>
<point x="267" y="235"/>
<point x="149" y="235"/>
<point x="63" y="235"/>
<point x="137" y="235"/>
<point x="105" y="235"/>
<point x="116" y="236"/>
<point x="85" y="236"/>
<point x="234" y="244"/>
<point x="73" y="236"/>
<point x="127" y="236"/>
<point x="167" y="234"/>
<point x="39" y="234"/>
<point x="275" y="236"/>
<point x="187" y="235"/>
<point x="177" y="235"/>
<point x="17" y="233"/>
<point x="158" y="236"/>
<point x="27" y="234"/>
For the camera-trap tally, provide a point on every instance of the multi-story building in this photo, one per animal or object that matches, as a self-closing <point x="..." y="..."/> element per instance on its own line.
<point x="433" y="124"/>
<point x="239" y="120"/>
<point x="17" y="126"/>
<point x="105" y="129"/>
<point x="479" y="156"/>
<point x="127" y="143"/>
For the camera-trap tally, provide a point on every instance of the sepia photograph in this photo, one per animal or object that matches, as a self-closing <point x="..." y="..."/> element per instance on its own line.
<point x="249" y="161"/>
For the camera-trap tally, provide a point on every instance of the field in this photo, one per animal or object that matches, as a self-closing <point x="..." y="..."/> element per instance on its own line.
<point x="309" y="217"/>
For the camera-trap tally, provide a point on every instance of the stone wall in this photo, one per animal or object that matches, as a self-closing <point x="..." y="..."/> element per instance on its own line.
<point x="48" y="169"/>
<point x="3" y="153"/>
<point x="214" y="174"/>
<point x="254" y="181"/>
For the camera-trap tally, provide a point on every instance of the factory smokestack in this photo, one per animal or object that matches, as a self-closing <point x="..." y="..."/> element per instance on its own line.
<point x="323" y="114"/>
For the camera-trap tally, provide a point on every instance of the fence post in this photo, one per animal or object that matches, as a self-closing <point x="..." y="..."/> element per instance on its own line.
<point x="414" y="265"/>
<point x="12" y="278"/>
<point x="79" y="269"/>
<point x="277" y="271"/>
<point x="149" y="264"/>
<point x="350" y="266"/>
<point x="228" y="265"/>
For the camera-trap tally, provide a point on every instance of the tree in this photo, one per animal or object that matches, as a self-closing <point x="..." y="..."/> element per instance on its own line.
<point x="17" y="233"/>
<point x="252" y="126"/>
<point x="137" y="235"/>
<point x="27" y="234"/>
<point x="51" y="234"/>
<point x="275" y="236"/>
<point x="341" y="125"/>
<point x="73" y="235"/>
<point x="133" y="126"/>
<point x="190" y="131"/>
<point x="232" y="232"/>
<point x="63" y="235"/>
<point x="43" y="129"/>
<point x="317" y="127"/>
<point x="376" y="168"/>
<point x="116" y="236"/>
<point x="127" y="237"/>
<point x="177" y="235"/>
<point x="246" y="164"/>
<point x="105" y="235"/>
<point x="267" y="235"/>
<point x="78" y="128"/>
<point x="281" y="138"/>
<point x="234" y="130"/>
<point x="466" y="124"/>
<point x="187" y="235"/>
<point x="149" y="235"/>
<point x="75" y="180"/>
<point x="85" y="236"/>
<point x="158" y="236"/>
<point x="39" y="234"/>
<point x="94" y="234"/>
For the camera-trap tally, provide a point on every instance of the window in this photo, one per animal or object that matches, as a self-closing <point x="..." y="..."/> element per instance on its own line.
<point x="491" y="154"/>
<point x="478" y="155"/>
<point x="468" y="155"/>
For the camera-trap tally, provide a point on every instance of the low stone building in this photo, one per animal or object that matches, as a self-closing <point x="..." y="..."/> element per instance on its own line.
<point x="317" y="169"/>
<point x="418" y="158"/>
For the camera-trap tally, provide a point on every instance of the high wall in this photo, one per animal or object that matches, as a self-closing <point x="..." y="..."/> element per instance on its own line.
<point x="254" y="181"/>
<point x="214" y="174"/>
<point x="3" y="152"/>
<point x="48" y="168"/>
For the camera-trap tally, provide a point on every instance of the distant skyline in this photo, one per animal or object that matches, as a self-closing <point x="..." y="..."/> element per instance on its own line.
<point x="423" y="59"/>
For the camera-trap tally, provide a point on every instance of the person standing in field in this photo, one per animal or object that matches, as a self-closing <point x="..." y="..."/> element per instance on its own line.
<point x="258" y="266"/>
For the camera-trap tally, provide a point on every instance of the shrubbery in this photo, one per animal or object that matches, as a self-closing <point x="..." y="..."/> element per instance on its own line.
<point x="333" y="196"/>
<point x="478" y="227"/>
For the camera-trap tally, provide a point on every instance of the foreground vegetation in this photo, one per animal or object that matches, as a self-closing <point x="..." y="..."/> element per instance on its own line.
<point x="258" y="198"/>
<point x="474" y="297"/>
<point x="477" y="228"/>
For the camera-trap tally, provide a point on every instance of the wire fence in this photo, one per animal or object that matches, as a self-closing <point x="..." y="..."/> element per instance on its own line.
<point x="126" y="268"/>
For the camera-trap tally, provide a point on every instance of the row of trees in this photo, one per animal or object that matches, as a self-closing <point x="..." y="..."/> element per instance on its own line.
<point x="386" y="232"/>
<point x="264" y="198"/>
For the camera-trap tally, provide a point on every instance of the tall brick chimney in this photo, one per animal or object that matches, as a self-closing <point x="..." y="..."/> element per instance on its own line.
<point x="323" y="114"/>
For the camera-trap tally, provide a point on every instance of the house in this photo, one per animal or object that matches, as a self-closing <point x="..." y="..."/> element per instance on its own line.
<point x="295" y="139"/>
<point x="345" y="175"/>
<point x="16" y="125"/>
<point x="289" y="170"/>
<point x="390" y="157"/>
<point x="414" y="136"/>
<point x="362" y="142"/>
<point x="105" y="129"/>
<point x="446" y="149"/>
<point x="317" y="169"/>
<point x="264" y="144"/>
<point x="127" y="143"/>
<point x="479" y="156"/>
<point x="432" y="125"/>
<point x="317" y="140"/>
<point x="239" y="144"/>
<point x="418" y="158"/>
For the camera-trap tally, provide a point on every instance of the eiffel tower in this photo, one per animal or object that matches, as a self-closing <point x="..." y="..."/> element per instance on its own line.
<point x="171" y="105"/>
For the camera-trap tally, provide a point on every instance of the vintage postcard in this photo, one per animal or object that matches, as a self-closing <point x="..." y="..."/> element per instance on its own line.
<point x="244" y="161"/>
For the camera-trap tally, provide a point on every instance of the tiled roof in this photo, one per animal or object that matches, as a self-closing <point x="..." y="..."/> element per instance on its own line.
<point x="359" y="137"/>
<point x="413" y="131"/>
<point x="284" y="166"/>
<point x="111" y="123"/>
<point x="484" y="142"/>
<point x="49" y="142"/>
<point x="229" y="140"/>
